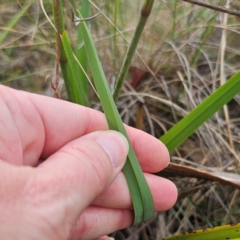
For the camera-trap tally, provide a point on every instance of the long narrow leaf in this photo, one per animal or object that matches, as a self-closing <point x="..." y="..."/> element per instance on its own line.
<point x="75" y="71"/>
<point x="80" y="51"/>
<point x="145" y="12"/>
<point x="141" y="196"/>
<point x="132" y="184"/>
<point x="72" y="73"/>
<point x="231" y="232"/>
<point x="66" y="72"/>
<point x="116" y="4"/>
<point x="14" y="20"/>
<point x="189" y="124"/>
<point x="209" y="29"/>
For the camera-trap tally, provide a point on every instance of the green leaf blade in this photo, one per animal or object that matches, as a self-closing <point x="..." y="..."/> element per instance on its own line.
<point x="80" y="51"/>
<point x="79" y="93"/>
<point x="13" y="21"/>
<point x="189" y="124"/>
<point x="141" y="196"/>
<point x="230" y="232"/>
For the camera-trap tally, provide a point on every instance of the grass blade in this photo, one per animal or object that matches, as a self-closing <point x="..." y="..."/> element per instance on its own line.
<point x="145" y="12"/>
<point x="220" y="233"/>
<point x="141" y="196"/>
<point x="116" y="4"/>
<point x="70" y="69"/>
<point x="209" y="29"/>
<point x="80" y="51"/>
<point x="185" y="127"/>
<point x="66" y="72"/>
<point x="78" y="90"/>
<point x="14" y="20"/>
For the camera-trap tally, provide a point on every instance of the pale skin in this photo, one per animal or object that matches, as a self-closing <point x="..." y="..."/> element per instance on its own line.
<point x="78" y="191"/>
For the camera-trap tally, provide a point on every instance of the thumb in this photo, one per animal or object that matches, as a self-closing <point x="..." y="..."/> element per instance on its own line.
<point x="69" y="180"/>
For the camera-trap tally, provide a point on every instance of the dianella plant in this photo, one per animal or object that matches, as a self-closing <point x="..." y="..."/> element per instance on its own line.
<point x="82" y="70"/>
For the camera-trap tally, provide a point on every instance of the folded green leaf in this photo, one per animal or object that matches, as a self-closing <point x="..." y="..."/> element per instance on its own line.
<point x="141" y="196"/>
<point x="184" y="128"/>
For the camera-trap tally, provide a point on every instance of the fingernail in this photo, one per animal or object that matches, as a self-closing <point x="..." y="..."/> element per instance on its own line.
<point x="115" y="145"/>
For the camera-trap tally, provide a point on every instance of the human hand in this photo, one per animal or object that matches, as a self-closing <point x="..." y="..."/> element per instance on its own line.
<point x="77" y="191"/>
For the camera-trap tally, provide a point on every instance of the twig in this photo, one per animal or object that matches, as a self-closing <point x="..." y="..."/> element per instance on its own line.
<point x="77" y="20"/>
<point x="58" y="43"/>
<point x="214" y="7"/>
<point x="145" y="12"/>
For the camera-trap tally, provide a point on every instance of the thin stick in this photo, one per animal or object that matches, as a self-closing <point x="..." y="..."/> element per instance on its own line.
<point x="122" y="35"/>
<point x="77" y="20"/>
<point x="58" y="46"/>
<point x="145" y="12"/>
<point x="214" y="7"/>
